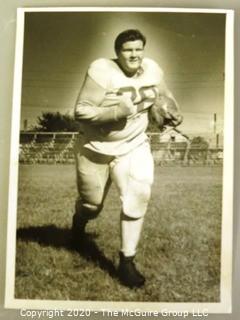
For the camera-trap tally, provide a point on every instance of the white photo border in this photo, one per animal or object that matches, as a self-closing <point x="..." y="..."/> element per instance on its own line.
<point x="225" y="304"/>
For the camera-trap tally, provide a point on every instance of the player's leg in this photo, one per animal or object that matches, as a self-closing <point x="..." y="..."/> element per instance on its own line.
<point x="133" y="175"/>
<point x="93" y="182"/>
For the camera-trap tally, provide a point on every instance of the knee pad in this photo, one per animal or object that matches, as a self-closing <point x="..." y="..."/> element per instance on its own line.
<point x="135" y="201"/>
<point x="89" y="211"/>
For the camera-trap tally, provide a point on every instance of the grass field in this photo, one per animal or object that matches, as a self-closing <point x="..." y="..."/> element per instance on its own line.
<point x="179" y="252"/>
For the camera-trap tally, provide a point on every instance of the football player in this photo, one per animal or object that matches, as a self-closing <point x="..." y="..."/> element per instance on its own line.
<point x="113" y="107"/>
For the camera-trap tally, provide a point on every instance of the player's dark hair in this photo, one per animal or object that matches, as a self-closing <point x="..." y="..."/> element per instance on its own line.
<point x="128" y="35"/>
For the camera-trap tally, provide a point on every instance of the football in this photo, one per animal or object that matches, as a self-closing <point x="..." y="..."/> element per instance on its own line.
<point x="165" y="112"/>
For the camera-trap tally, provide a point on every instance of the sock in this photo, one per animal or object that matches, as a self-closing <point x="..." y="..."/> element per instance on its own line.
<point x="130" y="234"/>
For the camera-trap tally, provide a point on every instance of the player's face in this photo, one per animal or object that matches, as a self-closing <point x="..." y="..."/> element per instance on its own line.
<point x="130" y="56"/>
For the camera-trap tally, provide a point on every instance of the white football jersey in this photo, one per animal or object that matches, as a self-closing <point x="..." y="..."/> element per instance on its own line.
<point x="117" y="138"/>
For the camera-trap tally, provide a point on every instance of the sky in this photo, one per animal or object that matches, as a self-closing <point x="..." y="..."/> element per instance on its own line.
<point x="189" y="47"/>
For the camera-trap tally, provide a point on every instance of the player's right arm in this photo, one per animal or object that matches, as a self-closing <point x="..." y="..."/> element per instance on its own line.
<point x="92" y="107"/>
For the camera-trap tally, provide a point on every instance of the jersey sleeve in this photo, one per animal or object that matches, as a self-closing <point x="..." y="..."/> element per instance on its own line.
<point x="156" y="74"/>
<point x="100" y="72"/>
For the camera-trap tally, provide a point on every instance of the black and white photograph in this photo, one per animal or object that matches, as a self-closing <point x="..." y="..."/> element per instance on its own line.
<point x="120" y="188"/>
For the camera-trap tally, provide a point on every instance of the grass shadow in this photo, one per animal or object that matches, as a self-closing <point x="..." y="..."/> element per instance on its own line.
<point x="53" y="236"/>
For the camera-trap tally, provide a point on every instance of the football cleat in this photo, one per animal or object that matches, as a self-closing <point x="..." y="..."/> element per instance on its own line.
<point x="128" y="274"/>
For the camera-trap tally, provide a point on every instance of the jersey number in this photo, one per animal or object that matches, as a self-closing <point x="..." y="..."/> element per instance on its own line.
<point x="147" y="94"/>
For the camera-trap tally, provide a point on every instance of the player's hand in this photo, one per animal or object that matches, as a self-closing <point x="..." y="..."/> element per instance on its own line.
<point x="125" y="107"/>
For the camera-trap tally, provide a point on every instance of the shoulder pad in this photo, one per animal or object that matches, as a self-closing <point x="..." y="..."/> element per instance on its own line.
<point x="100" y="71"/>
<point x="151" y="67"/>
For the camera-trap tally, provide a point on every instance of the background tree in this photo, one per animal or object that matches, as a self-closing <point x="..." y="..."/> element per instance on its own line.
<point x="200" y="142"/>
<point x="54" y="122"/>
